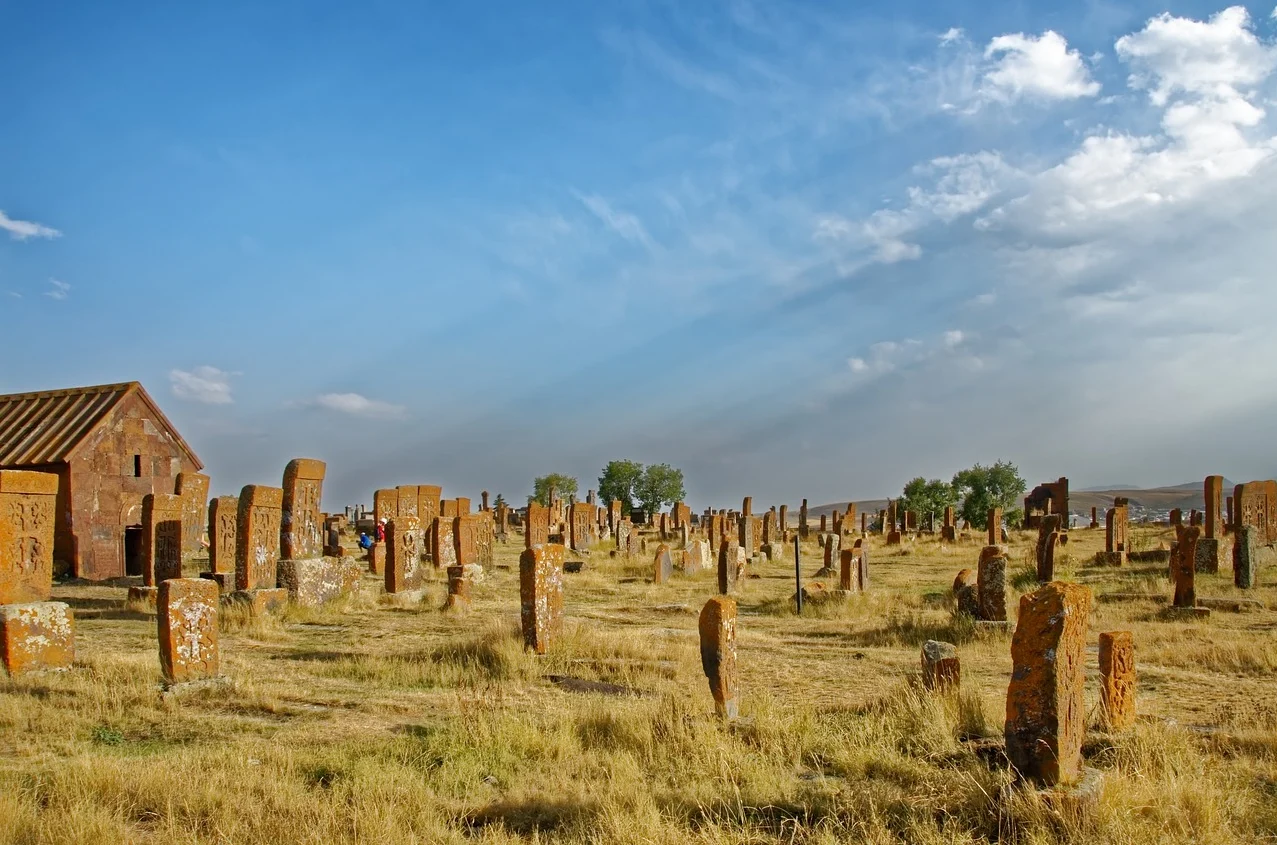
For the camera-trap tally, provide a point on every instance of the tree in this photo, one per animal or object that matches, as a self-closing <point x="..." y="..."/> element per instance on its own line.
<point x="927" y="497"/>
<point x="620" y="480"/>
<point x="660" y="485"/>
<point x="982" y="488"/>
<point x="564" y="487"/>
<point x="498" y="501"/>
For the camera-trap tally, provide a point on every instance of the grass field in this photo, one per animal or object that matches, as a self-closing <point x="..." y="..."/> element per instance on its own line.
<point x="376" y="722"/>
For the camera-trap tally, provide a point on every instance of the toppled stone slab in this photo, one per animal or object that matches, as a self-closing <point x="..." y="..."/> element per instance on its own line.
<point x="315" y="582"/>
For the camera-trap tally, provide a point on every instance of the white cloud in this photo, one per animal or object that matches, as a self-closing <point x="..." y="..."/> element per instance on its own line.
<point x="950" y="35"/>
<point x="857" y="365"/>
<point x="1041" y="68"/>
<point x="356" y="405"/>
<point x="1202" y="75"/>
<point x="58" y="290"/>
<point x="1211" y="58"/>
<point x="207" y="385"/>
<point x="953" y="338"/>
<point x="14" y="294"/>
<point x="622" y="223"/>
<point x="21" y="230"/>
<point x="961" y="185"/>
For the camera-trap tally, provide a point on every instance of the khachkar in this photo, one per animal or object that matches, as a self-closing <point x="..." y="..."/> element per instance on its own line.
<point x="223" y="512"/>
<point x="161" y="537"/>
<point x="541" y="595"/>
<point x="187" y="623"/>
<point x="35" y="633"/>
<point x="257" y="526"/>
<point x="1045" y="717"/>
<point x="192" y="489"/>
<point x="300" y="537"/>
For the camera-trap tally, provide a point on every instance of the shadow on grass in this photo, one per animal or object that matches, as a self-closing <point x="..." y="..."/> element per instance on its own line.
<point x="912" y="629"/>
<point x="528" y="818"/>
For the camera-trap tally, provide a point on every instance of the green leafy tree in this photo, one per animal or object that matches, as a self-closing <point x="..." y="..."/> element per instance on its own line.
<point x="982" y="488"/>
<point x="564" y="487"/>
<point x="925" y="497"/>
<point x="660" y="485"/>
<point x="620" y="480"/>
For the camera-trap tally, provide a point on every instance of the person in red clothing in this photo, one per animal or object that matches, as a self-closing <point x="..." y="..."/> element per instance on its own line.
<point x="381" y="531"/>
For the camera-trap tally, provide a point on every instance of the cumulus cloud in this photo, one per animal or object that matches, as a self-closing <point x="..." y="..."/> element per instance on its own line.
<point x="207" y="385"/>
<point x="1035" y="68"/>
<point x="58" y="290"/>
<point x="1203" y="75"/>
<point x="357" y="406"/>
<point x="21" y="230"/>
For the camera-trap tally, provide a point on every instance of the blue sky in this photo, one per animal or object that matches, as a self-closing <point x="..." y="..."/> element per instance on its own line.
<point x="797" y="249"/>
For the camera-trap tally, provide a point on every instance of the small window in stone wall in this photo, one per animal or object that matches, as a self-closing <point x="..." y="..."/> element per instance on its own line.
<point x="137" y="466"/>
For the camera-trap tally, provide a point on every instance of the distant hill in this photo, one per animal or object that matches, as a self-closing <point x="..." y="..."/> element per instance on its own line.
<point x="1185" y="496"/>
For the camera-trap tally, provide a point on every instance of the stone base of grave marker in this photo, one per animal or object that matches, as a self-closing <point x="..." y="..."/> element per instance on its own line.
<point x="259" y="602"/>
<point x="317" y="581"/>
<point x="143" y="598"/>
<point x="38" y="635"/>
<point x="948" y="534"/>
<point x="1110" y="558"/>
<point x="941" y="669"/>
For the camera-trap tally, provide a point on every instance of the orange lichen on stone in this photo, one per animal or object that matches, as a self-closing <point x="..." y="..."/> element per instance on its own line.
<point x="718" y="653"/>
<point x="1117" y="679"/>
<point x="541" y="595"/>
<point x="188" y="629"/>
<point x="37" y="635"/>
<point x="28" y="504"/>
<point x="1045" y="708"/>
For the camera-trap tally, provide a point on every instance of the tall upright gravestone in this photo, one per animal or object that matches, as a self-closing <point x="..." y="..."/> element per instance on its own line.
<point x="161" y="537"/>
<point x="1045" y="719"/>
<point x="301" y="535"/>
<point x="192" y="488"/>
<point x="541" y="595"/>
<point x="222" y="515"/>
<point x="35" y="633"/>
<point x="257" y="537"/>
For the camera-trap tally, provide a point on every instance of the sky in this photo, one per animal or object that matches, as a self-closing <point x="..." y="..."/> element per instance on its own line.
<point x="796" y="249"/>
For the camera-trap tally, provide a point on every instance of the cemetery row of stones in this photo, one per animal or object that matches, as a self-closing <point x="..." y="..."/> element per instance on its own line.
<point x="274" y="549"/>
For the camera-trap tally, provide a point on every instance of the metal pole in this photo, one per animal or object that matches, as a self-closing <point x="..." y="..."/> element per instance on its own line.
<point x="798" y="578"/>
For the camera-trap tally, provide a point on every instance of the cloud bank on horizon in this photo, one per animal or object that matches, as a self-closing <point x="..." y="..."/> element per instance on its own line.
<point x="796" y="252"/>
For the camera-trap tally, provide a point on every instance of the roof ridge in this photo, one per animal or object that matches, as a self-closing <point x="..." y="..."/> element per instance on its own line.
<point x="72" y="391"/>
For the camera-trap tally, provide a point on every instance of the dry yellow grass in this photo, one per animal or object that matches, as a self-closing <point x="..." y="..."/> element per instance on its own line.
<point x="377" y="722"/>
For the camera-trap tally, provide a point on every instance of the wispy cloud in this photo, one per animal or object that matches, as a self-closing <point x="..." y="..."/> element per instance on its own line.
<point x="623" y="223"/>
<point x="14" y="294"/>
<point x="21" y="230"/>
<point x="356" y="406"/>
<point x="207" y="385"/>
<point x="58" y="290"/>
